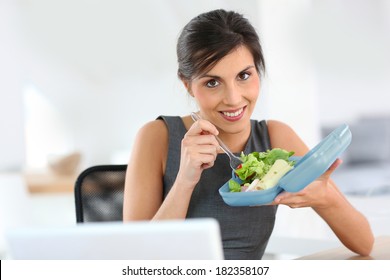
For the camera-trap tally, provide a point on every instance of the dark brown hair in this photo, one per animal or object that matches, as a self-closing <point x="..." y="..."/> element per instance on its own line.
<point x="209" y="37"/>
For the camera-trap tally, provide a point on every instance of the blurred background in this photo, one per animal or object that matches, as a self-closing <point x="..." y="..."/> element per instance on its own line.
<point x="78" y="78"/>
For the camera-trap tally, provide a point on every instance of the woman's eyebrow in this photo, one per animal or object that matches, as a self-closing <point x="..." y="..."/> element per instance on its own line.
<point x="218" y="77"/>
<point x="209" y="76"/>
<point x="247" y="68"/>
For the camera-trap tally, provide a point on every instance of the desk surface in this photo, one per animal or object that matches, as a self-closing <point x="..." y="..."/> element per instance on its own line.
<point x="381" y="251"/>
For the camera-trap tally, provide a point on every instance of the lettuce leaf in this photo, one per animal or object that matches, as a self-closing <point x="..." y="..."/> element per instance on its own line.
<point x="234" y="186"/>
<point x="257" y="164"/>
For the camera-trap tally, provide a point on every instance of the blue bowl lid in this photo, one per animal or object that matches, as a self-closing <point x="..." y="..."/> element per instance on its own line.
<point x="317" y="160"/>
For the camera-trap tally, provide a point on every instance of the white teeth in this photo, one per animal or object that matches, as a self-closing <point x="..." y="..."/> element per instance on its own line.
<point x="233" y="114"/>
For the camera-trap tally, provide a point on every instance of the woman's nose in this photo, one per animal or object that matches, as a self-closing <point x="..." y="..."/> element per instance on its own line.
<point x="233" y="95"/>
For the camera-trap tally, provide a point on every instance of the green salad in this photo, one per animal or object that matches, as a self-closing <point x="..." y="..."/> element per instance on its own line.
<point x="261" y="170"/>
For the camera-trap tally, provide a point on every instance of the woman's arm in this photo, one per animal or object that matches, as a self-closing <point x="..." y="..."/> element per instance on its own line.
<point x="349" y="225"/>
<point x="144" y="187"/>
<point x="144" y="177"/>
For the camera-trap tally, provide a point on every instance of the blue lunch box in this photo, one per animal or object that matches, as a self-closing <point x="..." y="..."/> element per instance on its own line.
<point x="306" y="170"/>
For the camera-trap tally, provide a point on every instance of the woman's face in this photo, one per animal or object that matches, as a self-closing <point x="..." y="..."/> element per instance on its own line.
<point x="227" y="94"/>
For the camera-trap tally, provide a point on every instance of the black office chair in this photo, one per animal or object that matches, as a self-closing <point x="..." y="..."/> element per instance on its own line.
<point x="99" y="193"/>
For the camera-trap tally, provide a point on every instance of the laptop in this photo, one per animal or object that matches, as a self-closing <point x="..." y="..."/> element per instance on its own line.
<point x="190" y="239"/>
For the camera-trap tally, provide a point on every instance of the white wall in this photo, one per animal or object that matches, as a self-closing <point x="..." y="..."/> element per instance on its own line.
<point x="107" y="67"/>
<point x="349" y="42"/>
<point x="328" y="62"/>
<point x="290" y="90"/>
<point x="12" y="151"/>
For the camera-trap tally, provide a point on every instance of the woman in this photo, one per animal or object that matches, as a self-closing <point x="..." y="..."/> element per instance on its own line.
<point x="177" y="167"/>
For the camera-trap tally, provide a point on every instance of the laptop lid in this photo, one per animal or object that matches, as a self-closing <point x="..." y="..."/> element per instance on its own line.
<point x="189" y="239"/>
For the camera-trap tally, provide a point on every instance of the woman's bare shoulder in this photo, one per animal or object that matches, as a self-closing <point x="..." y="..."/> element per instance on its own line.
<point x="278" y="127"/>
<point x="283" y="136"/>
<point x="151" y="133"/>
<point x="152" y="128"/>
<point x="144" y="187"/>
<point x="151" y="140"/>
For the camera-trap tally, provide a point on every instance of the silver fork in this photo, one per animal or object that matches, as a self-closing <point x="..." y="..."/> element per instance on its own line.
<point x="235" y="161"/>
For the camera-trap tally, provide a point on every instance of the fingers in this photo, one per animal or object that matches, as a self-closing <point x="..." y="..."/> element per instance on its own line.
<point x="287" y="198"/>
<point x="313" y="194"/>
<point x="333" y="167"/>
<point x="202" y="127"/>
<point x="202" y="155"/>
<point x="199" y="145"/>
<point x="200" y="138"/>
<point x="292" y="200"/>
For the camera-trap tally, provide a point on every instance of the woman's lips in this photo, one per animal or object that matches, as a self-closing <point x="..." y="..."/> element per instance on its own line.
<point x="233" y="115"/>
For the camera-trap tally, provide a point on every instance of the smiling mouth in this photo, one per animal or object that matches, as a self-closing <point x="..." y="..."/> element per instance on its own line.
<point x="233" y="115"/>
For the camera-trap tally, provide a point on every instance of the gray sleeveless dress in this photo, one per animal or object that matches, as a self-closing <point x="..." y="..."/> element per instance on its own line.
<point x="245" y="230"/>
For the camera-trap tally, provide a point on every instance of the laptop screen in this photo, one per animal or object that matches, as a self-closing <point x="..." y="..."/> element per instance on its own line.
<point x="189" y="239"/>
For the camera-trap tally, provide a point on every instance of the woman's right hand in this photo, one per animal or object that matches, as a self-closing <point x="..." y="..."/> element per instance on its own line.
<point x="199" y="149"/>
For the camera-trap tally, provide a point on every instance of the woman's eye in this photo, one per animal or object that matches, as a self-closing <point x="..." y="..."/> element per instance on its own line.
<point x="243" y="76"/>
<point x="212" y="83"/>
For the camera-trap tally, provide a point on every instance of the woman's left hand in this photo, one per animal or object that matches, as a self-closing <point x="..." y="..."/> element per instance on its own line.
<point x="316" y="194"/>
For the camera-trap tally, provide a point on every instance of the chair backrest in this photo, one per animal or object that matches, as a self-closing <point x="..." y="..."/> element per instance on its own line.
<point x="99" y="193"/>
